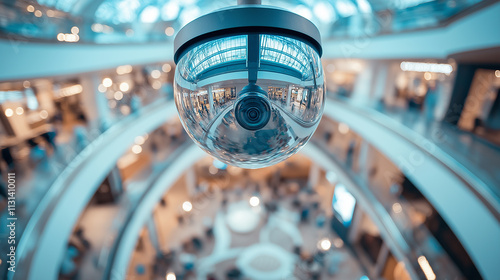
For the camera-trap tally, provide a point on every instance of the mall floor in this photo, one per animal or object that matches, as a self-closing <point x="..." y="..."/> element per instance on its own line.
<point x="257" y="240"/>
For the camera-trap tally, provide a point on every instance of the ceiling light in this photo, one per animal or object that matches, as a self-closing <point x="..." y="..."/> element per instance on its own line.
<point x="187" y="206"/>
<point x="19" y="111"/>
<point x="139" y="140"/>
<point x="9" y="112"/>
<point x="254" y="201"/>
<point x="169" y="31"/>
<point x="155" y="74"/>
<point x="426" y="268"/>
<point x="343" y="128"/>
<point x="118" y="95"/>
<point x="396" y="207"/>
<point x="124" y="86"/>
<point x="426" y="67"/>
<point x="324" y="244"/>
<point x="136" y="149"/>
<point x="170" y="276"/>
<point x="166" y="67"/>
<point x="107" y="82"/>
<point x="44" y="114"/>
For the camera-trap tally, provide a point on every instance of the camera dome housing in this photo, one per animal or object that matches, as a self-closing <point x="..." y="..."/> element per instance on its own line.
<point x="249" y="85"/>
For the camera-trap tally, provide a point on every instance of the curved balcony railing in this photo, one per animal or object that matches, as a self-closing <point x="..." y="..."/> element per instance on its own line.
<point x="398" y="233"/>
<point x="455" y="192"/>
<point x="477" y="175"/>
<point x="124" y="244"/>
<point x="58" y="215"/>
<point x="408" y="242"/>
<point x="44" y="239"/>
<point x="33" y="191"/>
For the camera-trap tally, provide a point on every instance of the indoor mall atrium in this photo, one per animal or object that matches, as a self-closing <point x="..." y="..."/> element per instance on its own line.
<point x="250" y="139"/>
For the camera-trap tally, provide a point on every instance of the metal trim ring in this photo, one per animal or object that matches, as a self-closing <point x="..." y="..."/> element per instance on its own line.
<point x="246" y="19"/>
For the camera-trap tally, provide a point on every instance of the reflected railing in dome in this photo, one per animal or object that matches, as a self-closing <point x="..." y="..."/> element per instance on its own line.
<point x="230" y="54"/>
<point x="63" y="191"/>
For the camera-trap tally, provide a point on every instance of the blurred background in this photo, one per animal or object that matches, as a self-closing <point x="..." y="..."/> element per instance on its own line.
<point x="400" y="181"/>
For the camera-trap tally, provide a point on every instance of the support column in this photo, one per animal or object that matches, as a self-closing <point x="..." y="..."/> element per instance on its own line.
<point x="115" y="182"/>
<point x="354" y="232"/>
<point x="463" y="81"/>
<point x="313" y="178"/>
<point x="382" y="82"/>
<point x="211" y="99"/>
<point x="94" y="103"/>
<point x="381" y="260"/>
<point x="362" y="161"/>
<point x="191" y="181"/>
<point x="153" y="233"/>
<point x="289" y="96"/>
<point x="364" y="85"/>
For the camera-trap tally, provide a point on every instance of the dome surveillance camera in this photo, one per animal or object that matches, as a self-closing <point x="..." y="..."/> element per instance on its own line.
<point x="249" y="85"/>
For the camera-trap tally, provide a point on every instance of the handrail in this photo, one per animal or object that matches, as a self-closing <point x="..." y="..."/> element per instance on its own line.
<point x="154" y="115"/>
<point x="124" y="244"/>
<point x="465" y="213"/>
<point x="52" y="222"/>
<point x="473" y="182"/>
<point x="368" y="201"/>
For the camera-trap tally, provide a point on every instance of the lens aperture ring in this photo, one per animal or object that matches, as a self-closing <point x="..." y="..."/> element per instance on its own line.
<point x="252" y="111"/>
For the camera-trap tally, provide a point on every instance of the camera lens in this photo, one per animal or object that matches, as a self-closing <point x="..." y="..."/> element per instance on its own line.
<point x="252" y="111"/>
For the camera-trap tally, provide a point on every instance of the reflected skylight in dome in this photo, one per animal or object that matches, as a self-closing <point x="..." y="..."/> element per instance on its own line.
<point x="274" y="49"/>
<point x="286" y="51"/>
<point x="213" y="53"/>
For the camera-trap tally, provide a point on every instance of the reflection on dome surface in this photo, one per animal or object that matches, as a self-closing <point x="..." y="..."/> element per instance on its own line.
<point x="209" y="81"/>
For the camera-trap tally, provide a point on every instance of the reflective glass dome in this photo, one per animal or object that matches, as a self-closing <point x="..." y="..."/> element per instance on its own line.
<point x="250" y="105"/>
